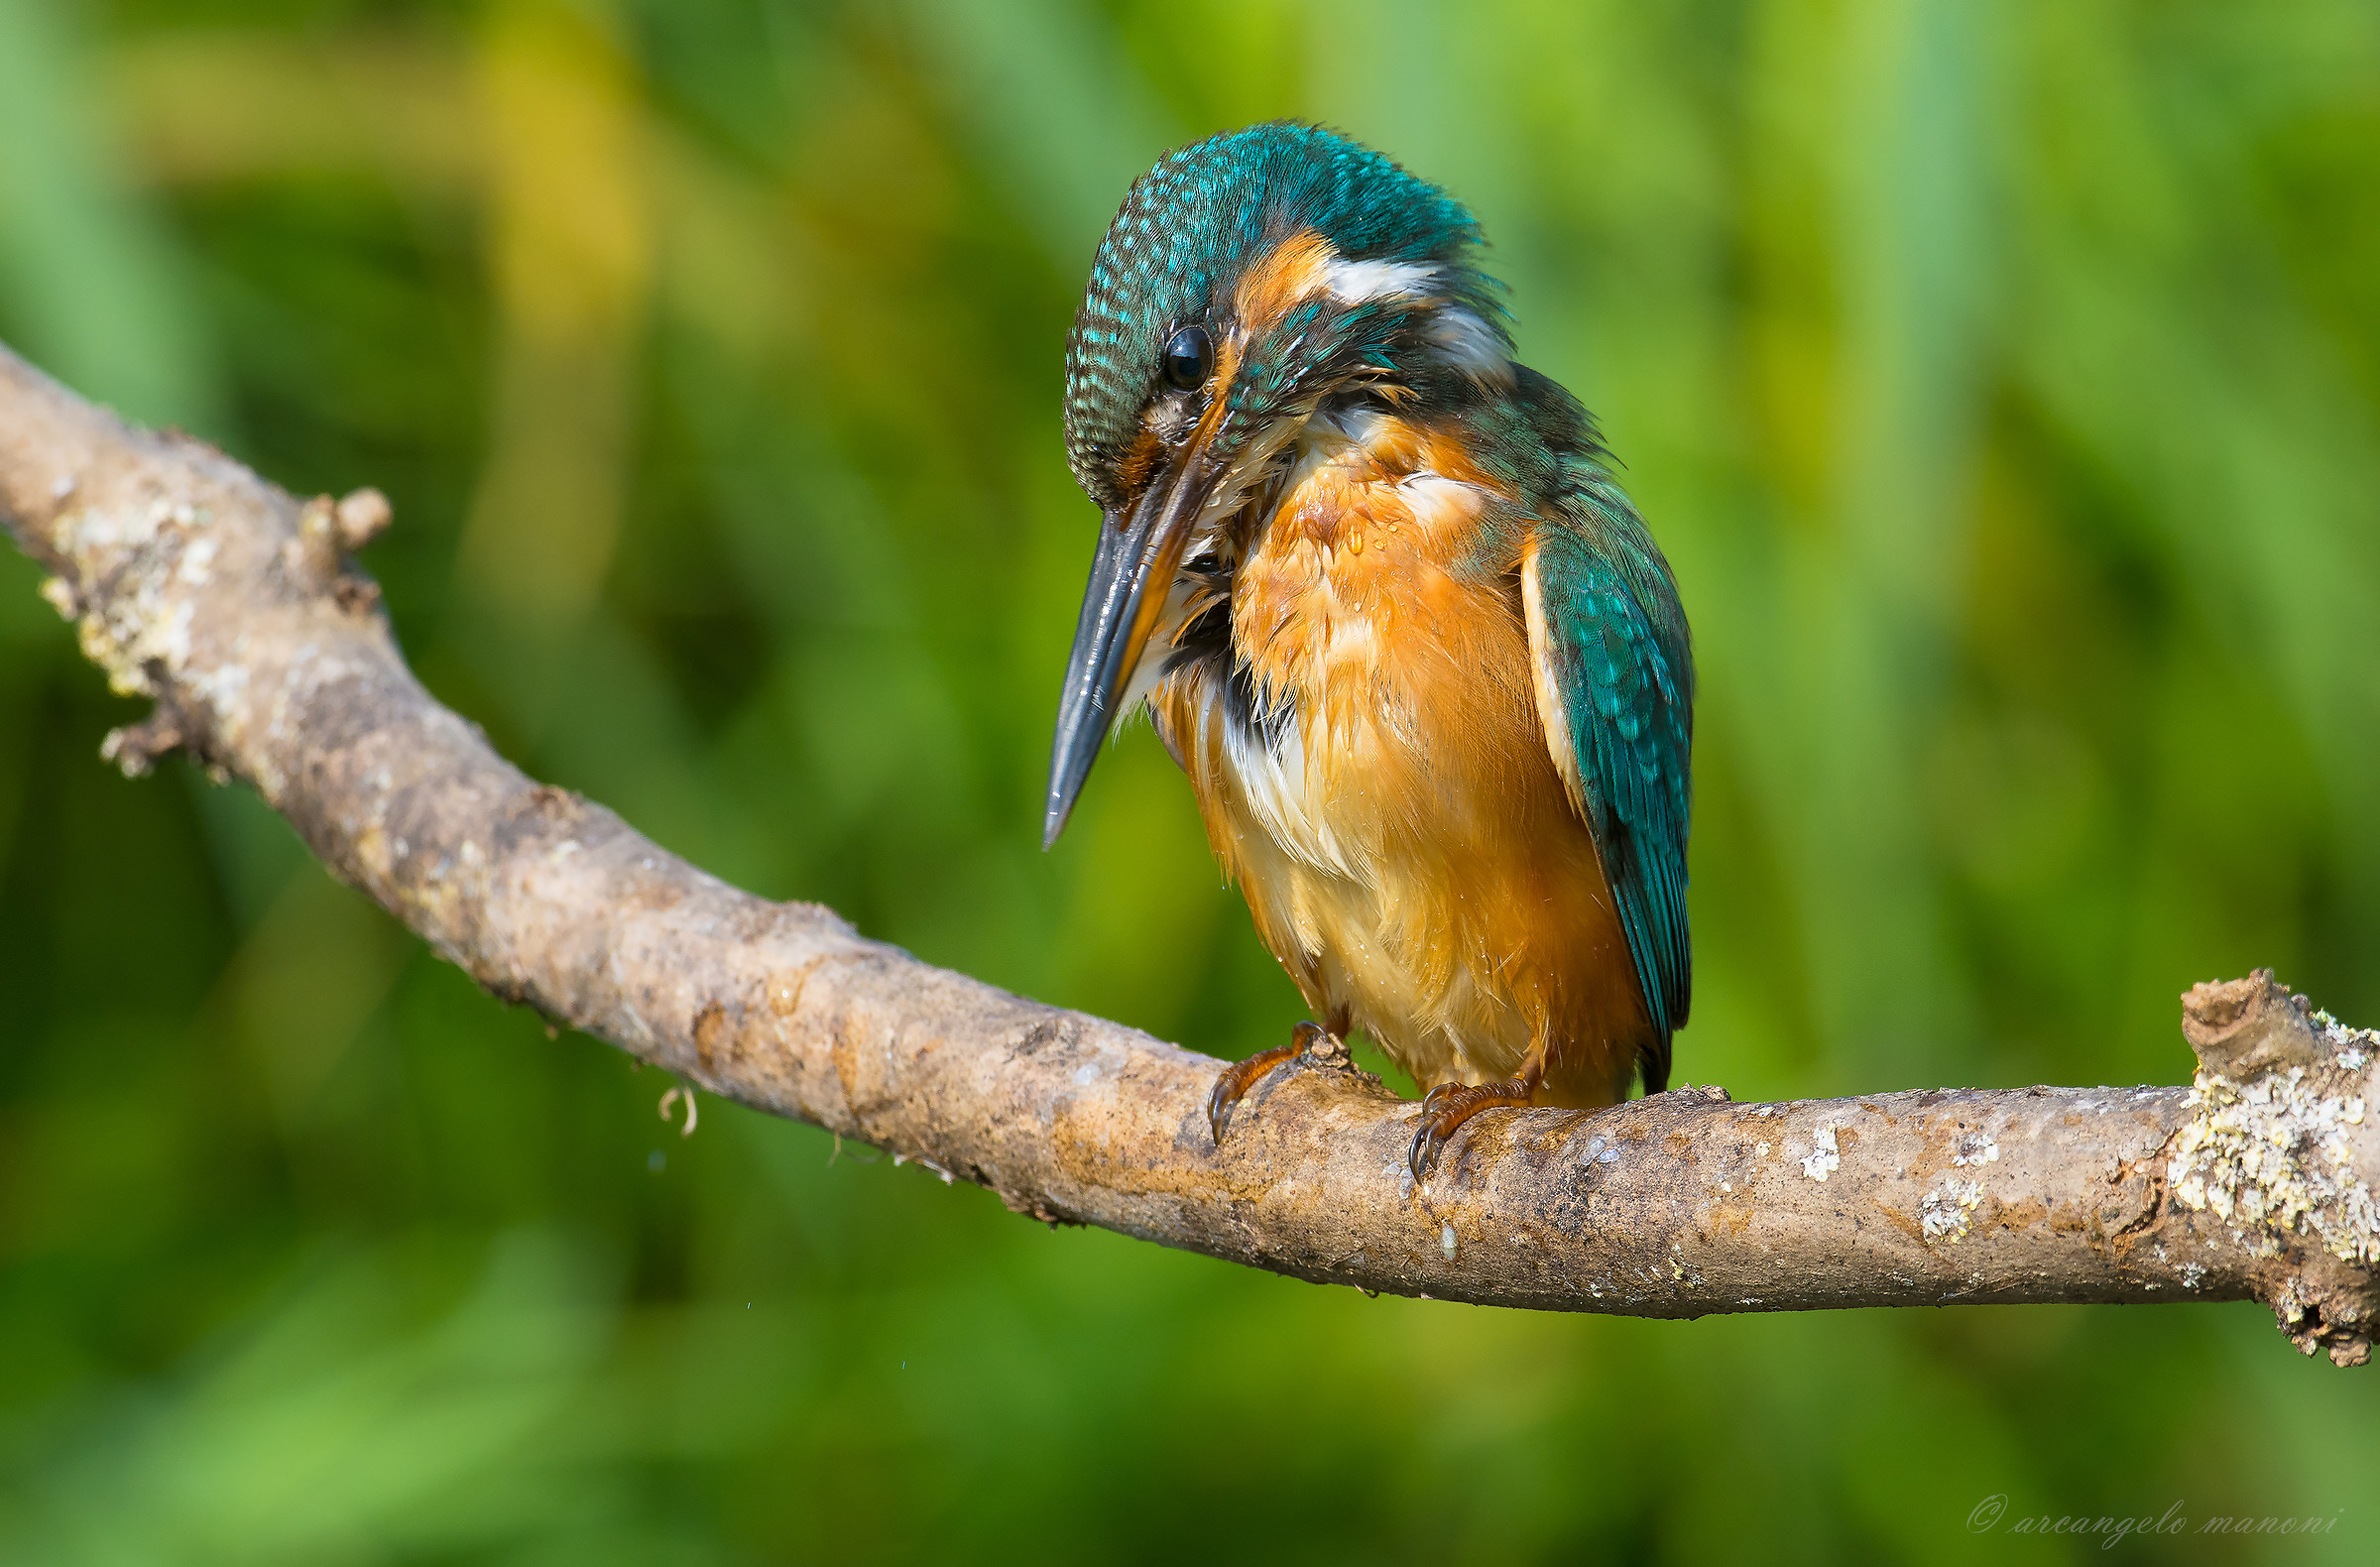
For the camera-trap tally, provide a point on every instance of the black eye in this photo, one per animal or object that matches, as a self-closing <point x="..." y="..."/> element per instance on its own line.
<point x="1189" y="357"/>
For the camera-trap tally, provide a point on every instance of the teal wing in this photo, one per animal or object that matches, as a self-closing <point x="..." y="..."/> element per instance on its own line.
<point x="1614" y="675"/>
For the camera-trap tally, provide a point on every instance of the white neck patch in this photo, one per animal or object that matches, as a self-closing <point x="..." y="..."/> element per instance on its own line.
<point x="1355" y="281"/>
<point x="1470" y="345"/>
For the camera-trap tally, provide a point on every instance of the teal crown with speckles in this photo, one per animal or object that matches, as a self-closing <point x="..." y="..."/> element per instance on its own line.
<point x="1191" y="225"/>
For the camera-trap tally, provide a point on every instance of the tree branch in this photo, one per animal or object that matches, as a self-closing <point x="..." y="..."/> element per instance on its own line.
<point x="236" y="607"/>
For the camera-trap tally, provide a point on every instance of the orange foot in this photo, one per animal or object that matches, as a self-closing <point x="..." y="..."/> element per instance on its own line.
<point x="1445" y="1107"/>
<point x="1308" y="1042"/>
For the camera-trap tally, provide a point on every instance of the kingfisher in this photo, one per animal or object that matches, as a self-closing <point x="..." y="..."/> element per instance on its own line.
<point x="1390" y="610"/>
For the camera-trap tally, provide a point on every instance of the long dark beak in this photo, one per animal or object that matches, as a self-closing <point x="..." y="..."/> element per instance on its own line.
<point x="1131" y="573"/>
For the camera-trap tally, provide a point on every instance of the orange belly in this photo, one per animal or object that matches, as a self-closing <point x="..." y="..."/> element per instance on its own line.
<point x="1397" y="821"/>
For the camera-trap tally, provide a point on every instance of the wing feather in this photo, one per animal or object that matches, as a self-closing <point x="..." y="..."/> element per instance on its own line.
<point x="1615" y="677"/>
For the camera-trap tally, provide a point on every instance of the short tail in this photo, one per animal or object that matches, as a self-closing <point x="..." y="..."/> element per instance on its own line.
<point x="1652" y="1063"/>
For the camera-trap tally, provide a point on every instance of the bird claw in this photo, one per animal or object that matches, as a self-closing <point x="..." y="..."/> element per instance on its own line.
<point x="1444" y="1110"/>
<point x="1308" y="1042"/>
<point x="1431" y="1135"/>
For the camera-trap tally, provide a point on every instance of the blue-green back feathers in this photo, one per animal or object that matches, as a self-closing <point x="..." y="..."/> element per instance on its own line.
<point x="1613" y="654"/>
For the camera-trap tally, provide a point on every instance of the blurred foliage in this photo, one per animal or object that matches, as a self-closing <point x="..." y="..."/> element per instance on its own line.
<point x="2001" y="379"/>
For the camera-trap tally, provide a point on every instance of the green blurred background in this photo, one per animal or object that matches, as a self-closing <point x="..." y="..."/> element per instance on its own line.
<point x="2002" y="382"/>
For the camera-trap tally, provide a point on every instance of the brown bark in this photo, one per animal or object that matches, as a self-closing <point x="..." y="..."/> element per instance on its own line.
<point x="237" y="609"/>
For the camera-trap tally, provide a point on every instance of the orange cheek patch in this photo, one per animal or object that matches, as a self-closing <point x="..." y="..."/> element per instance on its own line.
<point x="1293" y="269"/>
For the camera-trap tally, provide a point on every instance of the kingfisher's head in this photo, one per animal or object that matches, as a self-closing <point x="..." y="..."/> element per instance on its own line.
<point x="1250" y="283"/>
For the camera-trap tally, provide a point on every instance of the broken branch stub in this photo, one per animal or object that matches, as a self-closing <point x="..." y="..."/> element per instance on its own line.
<point x="195" y="582"/>
<point x="2279" y="1148"/>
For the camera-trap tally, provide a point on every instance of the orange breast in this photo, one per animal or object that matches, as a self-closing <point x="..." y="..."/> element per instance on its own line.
<point x="1393" y="814"/>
